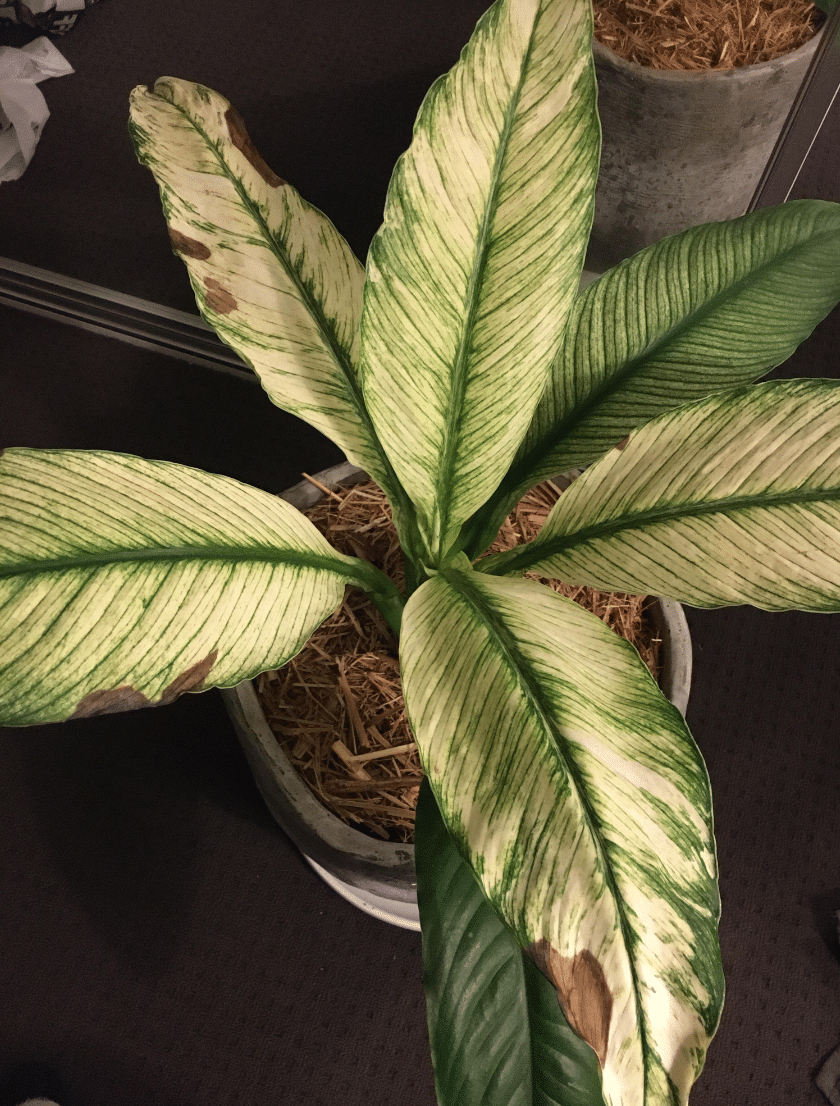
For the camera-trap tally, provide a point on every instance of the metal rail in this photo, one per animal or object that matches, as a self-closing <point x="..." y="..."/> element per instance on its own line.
<point x="129" y="319"/>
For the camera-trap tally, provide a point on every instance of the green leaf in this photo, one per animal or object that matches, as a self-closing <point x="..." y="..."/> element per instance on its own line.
<point x="497" y="1032"/>
<point x="735" y="499"/>
<point x="125" y="582"/>
<point x="709" y="309"/>
<point x="475" y="268"/>
<point x="577" y="795"/>
<point x="270" y="273"/>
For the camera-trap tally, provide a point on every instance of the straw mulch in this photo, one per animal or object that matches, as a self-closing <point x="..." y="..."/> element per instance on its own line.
<point x="337" y="708"/>
<point x="704" y="34"/>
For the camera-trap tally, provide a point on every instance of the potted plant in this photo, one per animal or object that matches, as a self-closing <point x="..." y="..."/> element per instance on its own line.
<point x="565" y="858"/>
<point x="378" y="876"/>
<point x="685" y="145"/>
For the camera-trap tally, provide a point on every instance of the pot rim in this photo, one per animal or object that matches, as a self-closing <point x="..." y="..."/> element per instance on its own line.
<point x="606" y="56"/>
<point x="334" y="832"/>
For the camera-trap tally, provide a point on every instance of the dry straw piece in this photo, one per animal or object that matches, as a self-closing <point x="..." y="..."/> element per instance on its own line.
<point x="337" y="708"/>
<point x="704" y="34"/>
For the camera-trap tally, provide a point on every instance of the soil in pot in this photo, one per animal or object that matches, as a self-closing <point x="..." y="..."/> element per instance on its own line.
<point x="337" y="708"/>
<point x="704" y="34"/>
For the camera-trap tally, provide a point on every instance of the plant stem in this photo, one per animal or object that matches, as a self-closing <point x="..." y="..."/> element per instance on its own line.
<point x="413" y="575"/>
<point x="383" y="593"/>
<point x="391" y="609"/>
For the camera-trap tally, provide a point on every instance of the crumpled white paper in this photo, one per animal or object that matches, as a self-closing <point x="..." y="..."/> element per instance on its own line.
<point x="38" y="6"/>
<point x="23" y="109"/>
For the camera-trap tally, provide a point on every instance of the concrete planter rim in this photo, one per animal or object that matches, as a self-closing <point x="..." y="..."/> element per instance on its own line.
<point x="605" y="56"/>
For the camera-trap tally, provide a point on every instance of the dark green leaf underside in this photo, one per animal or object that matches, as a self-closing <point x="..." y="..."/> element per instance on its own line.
<point x="498" y="1033"/>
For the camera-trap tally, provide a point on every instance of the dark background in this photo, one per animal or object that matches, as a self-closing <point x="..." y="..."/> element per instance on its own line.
<point x="161" y="942"/>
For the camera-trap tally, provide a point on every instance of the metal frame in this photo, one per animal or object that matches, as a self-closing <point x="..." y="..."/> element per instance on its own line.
<point x="816" y="96"/>
<point x="115" y="315"/>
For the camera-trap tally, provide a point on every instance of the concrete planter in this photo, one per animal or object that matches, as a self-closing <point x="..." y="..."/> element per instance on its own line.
<point x="682" y="148"/>
<point x="377" y="876"/>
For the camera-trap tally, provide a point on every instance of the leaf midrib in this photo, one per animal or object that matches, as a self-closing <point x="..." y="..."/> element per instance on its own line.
<point x="460" y="376"/>
<point x="530" y="684"/>
<point x="525" y="556"/>
<point x="173" y="554"/>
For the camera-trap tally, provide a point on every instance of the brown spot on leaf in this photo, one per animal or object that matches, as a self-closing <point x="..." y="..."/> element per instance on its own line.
<point x="242" y="141"/>
<point x="111" y="702"/>
<point x="219" y="298"/>
<point x="582" y="991"/>
<point x="620" y="445"/>
<point x="189" y="247"/>
<point x="127" y="698"/>
<point x="190" y="680"/>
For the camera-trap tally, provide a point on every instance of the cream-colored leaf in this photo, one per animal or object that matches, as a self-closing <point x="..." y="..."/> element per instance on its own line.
<point x="476" y="266"/>
<point x="270" y="272"/>
<point x="712" y="308"/>
<point x="576" y="793"/>
<point x="735" y="499"/>
<point x="125" y="582"/>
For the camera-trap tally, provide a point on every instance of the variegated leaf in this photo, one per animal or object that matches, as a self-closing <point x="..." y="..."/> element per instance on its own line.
<point x="125" y="582"/>
<point x="735" y="499"/>
<point x="475" y="268"/>
<point x="575" y="791"/>
<point x="709" y="309"/>
<point x="271" y="274"/>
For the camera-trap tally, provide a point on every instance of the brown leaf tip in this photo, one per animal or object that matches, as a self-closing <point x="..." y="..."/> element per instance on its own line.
<point x="189" y="247"/>
<point x="582" y="992"/>
<point x="192" y="679"/>
<point x="242" y="141"/>
<point x="620" y="445"/>
<point x="117" y="699"/>
<point x="219" y="298"/>
<point x="111" y="701"/>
